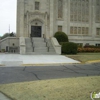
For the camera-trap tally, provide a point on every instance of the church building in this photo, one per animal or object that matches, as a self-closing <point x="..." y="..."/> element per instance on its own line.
<point x="38" y="19"/>
<point x="79" y="19"/>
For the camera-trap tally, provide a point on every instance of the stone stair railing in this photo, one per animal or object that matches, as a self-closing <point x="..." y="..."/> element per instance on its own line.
<point x="32" y="41"/>
<point x="47" y="44"/>
<point x="22" y="45"/>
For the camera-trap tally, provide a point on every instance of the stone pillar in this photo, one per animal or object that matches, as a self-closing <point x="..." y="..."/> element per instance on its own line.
<point x="20" y="18"/>
<point x="46" y="33"/>
<point x="28" y="34"/>
<point x="65" y="16"/>
<point x="93" y="20"/>
<point x="68" y="17"/>
<point x="22" y="46"/>
<point x="51" y="18"/>
<point x="90" y="17"/>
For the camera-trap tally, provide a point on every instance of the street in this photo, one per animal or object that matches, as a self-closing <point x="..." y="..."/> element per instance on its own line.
<point x="24" y="74"/>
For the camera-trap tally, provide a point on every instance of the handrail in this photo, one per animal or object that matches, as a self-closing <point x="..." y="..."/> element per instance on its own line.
<point x="47" y="44"/>
<point x="32" y="43"/>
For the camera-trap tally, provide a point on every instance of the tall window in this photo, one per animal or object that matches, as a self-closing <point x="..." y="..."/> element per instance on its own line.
<point x="60" y="28"/>
<point x="60" y="8"/>
<point x="98" y="11"/>
<point x="79" y="30"/>
<point x="37" y="4"/>
<point x="79" y="10"/>
<point x="98" y="31"/>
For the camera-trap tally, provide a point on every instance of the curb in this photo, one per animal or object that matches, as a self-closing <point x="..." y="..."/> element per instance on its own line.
<point x="93" y="61"/>
<point x="49" y="64"/>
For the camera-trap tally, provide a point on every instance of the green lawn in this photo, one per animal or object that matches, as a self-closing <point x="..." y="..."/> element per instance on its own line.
<point x="85" y="57"/>
<point x="59" y="89"/>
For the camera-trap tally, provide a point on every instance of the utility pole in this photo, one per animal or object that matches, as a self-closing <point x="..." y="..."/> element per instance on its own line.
<point x="9" y="39"/>
<point x="9" y="28"/>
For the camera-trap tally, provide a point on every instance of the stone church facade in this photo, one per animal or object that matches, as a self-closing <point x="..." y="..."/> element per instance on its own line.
<point x="79" y="19"/>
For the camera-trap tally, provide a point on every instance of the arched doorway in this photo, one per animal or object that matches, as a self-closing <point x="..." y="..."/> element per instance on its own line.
<point x="36" y="31"/>
<point x="37" y="28"/>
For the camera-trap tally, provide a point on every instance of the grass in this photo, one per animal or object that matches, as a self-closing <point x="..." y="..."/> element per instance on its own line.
<point x="85" y="57"/>
<point x="59" y="89"/>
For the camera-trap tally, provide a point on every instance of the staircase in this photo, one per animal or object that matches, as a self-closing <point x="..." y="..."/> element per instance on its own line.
<point x="40" y="47"/>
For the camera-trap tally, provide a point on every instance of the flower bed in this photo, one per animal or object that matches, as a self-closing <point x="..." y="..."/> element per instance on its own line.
<point x="88" y="49"/>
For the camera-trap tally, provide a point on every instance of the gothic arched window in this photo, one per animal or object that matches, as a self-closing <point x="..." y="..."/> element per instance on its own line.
<point x="37" y="5"/>
<point x="60" y="8"/>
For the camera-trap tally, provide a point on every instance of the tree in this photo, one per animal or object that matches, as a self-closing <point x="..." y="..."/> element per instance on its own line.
<point x="12" y="34"/>
<point x="5" y="35"/>
<point x="8" y="35"/>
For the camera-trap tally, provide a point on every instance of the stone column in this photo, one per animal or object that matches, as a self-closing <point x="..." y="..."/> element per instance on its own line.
<point x="28" y="35"/>
<point x="65" y="16"/>
<point x="90" y="16"/>
<point x="18" y="19"/>
<point x="93" y="19"/>
<point x="21" y="18"/>
<point x="46" y="33"/>
<point x="68" y="17"/>
<point x="51" y="18"/>
<point x="22" y="45"/>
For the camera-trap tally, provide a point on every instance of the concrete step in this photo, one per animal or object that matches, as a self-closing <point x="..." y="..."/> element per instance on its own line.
<point x="40" y="50"/>
<point x="39" y="47"/>
<point x="52" y="50"/>
<point x="44" y="47"/>
<point x="38" y="39"/>
<point x="37" y="53"/>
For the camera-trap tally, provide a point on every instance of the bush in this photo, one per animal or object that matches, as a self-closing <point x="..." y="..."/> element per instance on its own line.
<point x="61" y="37"/>
<point x="69" y="48"/>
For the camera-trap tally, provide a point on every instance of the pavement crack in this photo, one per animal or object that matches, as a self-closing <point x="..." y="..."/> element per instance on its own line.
<point x="76" y="71"/>
<point x="96" y="66"/>
<point x="24" y="68"/>
<point x="35" y="75"/>
<point x="71" y="69"/>
<point x="79" y="67"/>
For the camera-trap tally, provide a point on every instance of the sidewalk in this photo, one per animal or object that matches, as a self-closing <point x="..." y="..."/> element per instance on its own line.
<point x="3" y="97"/>
<point x="22" y="60"/>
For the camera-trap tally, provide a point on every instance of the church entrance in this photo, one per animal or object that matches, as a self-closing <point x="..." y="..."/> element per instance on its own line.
<point x="35" y="31"/>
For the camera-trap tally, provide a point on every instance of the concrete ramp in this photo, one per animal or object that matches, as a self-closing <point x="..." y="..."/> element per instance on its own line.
<point x="12" y="63"/>
<point x="19" y="60"/>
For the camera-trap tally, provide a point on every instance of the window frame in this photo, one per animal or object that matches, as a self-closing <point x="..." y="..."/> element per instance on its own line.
<point x="37" y="3"/>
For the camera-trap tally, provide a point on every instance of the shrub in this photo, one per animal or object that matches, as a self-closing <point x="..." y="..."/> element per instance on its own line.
<point x="61" y="37"/>
<point x="69" y="48"/>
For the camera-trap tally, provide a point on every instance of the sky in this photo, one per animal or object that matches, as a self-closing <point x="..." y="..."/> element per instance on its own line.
<point x="7" y="16"/>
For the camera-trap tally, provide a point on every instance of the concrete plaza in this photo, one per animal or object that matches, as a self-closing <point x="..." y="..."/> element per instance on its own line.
<point x="19" y="60"/>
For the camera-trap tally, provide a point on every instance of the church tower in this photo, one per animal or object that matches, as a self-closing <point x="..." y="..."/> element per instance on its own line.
<point x="33" y="17"/>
